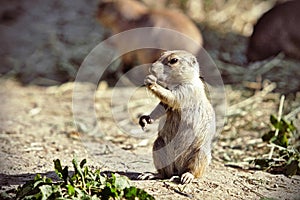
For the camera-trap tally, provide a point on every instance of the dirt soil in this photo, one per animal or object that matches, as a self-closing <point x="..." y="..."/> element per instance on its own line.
<point x="37" y="123"/>
<point x="37" y="126"/>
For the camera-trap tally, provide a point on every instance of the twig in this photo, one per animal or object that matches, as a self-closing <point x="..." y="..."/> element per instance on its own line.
<point x="254" y="98"/>
<point x="269" y="65"/>
<point x="279" y="119"/>
<point x="293" y="113"/>
<point x="265" y="64"/>
<point x="277" y="146"/>
<point x="33" y="149"/>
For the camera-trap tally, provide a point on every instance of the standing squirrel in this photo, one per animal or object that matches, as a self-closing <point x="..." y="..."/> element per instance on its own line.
<point x="187" y="125"/>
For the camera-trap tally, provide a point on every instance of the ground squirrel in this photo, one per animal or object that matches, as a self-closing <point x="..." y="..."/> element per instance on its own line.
<point x="122" y="15"/>
<point x="277" y="30"/>
<point x="187" y="125"/>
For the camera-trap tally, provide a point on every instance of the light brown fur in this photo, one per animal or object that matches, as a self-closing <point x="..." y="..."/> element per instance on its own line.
<point x="122" y="15"/>
<point x="183" y="145"/>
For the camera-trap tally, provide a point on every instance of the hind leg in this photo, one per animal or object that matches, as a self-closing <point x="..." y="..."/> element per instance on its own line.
<point x="196" y="166"/>
<point x="162" y="158"/>
<point x="161" y="162"/>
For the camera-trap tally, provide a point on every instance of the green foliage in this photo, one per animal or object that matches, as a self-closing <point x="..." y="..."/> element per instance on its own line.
<point x="265" y="198"/>
<point x="83" y="184"/>
<point x="284" y="129"/>
<point x="288" y="159"/>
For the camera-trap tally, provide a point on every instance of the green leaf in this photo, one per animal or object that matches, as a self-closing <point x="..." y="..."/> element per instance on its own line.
<point x="28" y="188"/>
<point x="58" y="190"/>
<point x="82" y="163"/>
<point x="31" y="197"/>
<point x="283" y="140"/>
<point x="112" y="180"/>
<point x="274" y="121"/>
<point x="5" y="196"/>
<point x="37" y="180"/>
<point x="132" y="192"/>
<point x="65" y="174"/>
<point x="121" y="182"/>
<point x="109" y="191"/>
<point x="94" y="197"/>
<point x="61" y="173"/>
<point x="101" y="179"/>
<point x="47" y="180"/>
<point x="289" y="127"/>
<point x="57" y="167"/>
<point x="80" y="192"/>
<point x="71" y="190"/>
<point x="46" y="191"/>
<point x="37" y="177"/>
<point x="77" y="168"/>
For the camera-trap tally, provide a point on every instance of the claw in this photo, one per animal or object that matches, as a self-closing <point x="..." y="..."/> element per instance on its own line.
<point x="147" y="176"/>
<point x="186" y="178"/>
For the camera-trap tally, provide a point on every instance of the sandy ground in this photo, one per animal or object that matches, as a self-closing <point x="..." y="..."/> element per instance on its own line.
<point x="37" y="126"/>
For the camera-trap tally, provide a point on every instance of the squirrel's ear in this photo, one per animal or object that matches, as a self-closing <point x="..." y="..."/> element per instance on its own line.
<point x="193" y="61"/>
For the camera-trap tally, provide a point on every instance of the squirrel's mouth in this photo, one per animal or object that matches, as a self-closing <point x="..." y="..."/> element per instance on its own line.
<point x="162" y="84"/>
<point x="159" y="80"/>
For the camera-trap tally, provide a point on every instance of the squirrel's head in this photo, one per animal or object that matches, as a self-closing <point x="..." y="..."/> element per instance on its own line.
<point x="115" y="13"/>
<point x="175" y="67"/>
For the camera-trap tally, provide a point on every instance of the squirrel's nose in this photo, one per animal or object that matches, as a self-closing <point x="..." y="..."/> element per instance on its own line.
<point x="155" y="68"/>
<point x="151" y="70"/>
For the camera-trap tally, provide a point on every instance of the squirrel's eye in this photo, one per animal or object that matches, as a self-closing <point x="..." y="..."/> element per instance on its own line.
<point x="173" y="61"/>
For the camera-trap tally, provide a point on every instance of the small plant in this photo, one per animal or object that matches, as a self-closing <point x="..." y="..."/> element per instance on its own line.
<point x="285" y="130"/>
<point x="287" y="160"/>
<point x="83" y="184"/>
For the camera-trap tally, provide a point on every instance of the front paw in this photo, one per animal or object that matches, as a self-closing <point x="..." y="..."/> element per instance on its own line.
<point x="144" y="120"/>
<point x="150" y="80"/>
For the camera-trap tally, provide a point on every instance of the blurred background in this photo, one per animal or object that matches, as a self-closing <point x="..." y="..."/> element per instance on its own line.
<point x="44" y="42"/>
